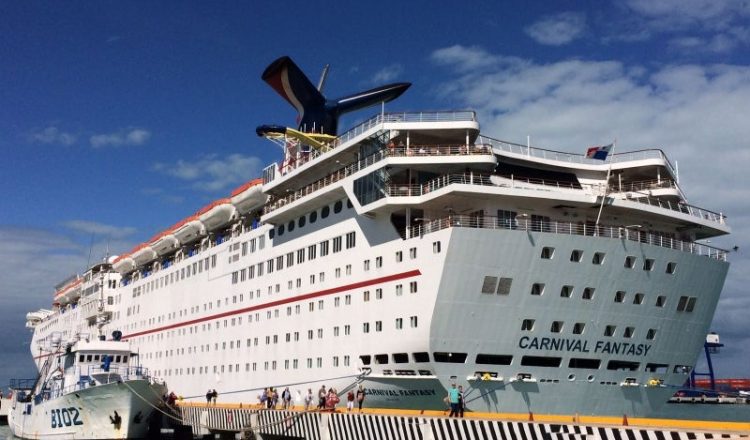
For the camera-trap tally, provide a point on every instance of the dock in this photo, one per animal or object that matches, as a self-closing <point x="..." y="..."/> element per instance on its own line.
<point x="233" y="421"/>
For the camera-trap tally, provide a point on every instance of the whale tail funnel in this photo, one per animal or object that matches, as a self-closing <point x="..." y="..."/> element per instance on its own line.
<point x="316" y="113"/>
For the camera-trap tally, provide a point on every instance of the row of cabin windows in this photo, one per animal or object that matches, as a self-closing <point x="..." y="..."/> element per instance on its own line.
<point x="576" y="256"/>
<point x="528" y="325"/>
<point x="312" y="218"/>
<point x="501" y="286"/>
<point x="176" y="276"/>
<point x="310" y="253"/>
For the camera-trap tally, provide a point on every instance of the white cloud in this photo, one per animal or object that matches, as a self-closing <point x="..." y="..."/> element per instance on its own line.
<point x="558" y="29"/>
<point x="696" y="113"/>
<point x="212" y="173"/>
<point x="99" y="229"/>
<point x="131" y="136"/>
<point x="387" y="74"/>
<point x="52" y="135"/>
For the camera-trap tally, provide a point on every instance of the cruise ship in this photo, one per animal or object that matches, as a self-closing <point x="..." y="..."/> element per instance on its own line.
<point x="414" y="252"/>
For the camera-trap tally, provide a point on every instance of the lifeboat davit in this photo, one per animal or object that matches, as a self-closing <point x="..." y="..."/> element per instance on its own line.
<point x="190" y="230"/>
<point x="218" y="214"/>
<point x="249" y="196"/>
<point x="124" y="264"/>
<point x="143" y="254"/>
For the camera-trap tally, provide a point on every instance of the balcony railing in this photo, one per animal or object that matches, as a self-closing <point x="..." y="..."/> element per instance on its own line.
<point x="564" y="228"/>
<point x="412" y="151"/>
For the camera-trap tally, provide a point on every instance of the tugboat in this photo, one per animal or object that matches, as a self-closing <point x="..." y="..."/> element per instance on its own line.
<point x="92" y="389"/>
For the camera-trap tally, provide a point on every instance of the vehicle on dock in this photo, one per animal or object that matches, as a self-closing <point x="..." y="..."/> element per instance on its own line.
<point x="91" y="389"/>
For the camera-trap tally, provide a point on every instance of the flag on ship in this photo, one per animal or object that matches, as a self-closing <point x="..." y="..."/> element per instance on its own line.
<point x="599" y="152"/>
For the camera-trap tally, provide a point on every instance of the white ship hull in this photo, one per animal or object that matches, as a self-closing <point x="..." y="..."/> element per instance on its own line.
<point x="112" y="411"/>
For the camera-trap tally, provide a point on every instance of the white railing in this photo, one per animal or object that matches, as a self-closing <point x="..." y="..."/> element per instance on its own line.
<point x="561" y="156"/>
<point x="565" y="228"/>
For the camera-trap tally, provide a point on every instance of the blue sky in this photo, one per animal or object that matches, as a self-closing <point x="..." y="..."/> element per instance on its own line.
<point x="118" y="119"/>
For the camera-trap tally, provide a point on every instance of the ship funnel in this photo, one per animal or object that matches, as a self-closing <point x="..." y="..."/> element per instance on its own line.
<point x="316" y="113"/>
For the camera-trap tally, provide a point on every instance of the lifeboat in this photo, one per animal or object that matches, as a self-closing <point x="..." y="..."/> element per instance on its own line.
<point x="143" y="254"/>
<point x="124" y="264"/>
<point x="249" y="196"/>
<point x="217" y="214"/>
<point x="190" y="230"/>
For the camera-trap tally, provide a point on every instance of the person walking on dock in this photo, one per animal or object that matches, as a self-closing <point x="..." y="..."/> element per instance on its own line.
<point x="360" y="396"/>
<point x="453" y="398"/>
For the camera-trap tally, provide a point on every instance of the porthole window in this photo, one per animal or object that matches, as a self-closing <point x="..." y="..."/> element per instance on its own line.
<point x="325" y="211"/>
<point x="301" y="221"/>
<point x="337" y="207"/>
<point x="313" y="216"/>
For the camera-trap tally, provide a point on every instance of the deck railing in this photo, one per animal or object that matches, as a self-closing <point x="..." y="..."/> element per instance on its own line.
<point x="565" y="228"/>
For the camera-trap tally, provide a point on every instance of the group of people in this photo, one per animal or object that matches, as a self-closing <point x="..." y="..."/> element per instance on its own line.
<point x="270" y="398"/>
<point x="211" y="396"/>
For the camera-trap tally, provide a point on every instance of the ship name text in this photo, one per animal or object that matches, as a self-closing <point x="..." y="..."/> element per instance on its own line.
<point x="582" y="346"/>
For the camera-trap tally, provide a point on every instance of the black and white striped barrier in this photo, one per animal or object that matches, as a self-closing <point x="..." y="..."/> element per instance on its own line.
<point x="351" y="426"/>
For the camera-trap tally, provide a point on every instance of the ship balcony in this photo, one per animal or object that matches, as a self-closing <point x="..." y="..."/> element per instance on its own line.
<point x="431" y="156"/>
<point x="525" y="224"/>
<point x="439" y="125"/>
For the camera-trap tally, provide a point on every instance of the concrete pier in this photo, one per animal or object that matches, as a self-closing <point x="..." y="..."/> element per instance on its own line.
<point x="374" y="425"/>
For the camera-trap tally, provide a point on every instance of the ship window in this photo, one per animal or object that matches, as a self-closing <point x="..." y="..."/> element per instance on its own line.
<point x="290" y="225"/>
<point x="657" y="368"/>
<point x="589" y="364"/>
<point x="609" y="330"/>
<point x="537" y="289"/>
<point x="381" y="358"/>
<point x="629" y="262"/>
<point x="566" y="291"/>
<point x="301" y="221"/>
<point x="548" y="252"/>
<point x="421" y="356"/>
<point x="598" y="258"/>
<point x="648" y="264"/>
<point x="619" y="296"/>
<point x="588" y="293"/>
<point x="488" y="286"/>
<point x="661" y="300"/>
<point x="325" y="211"/>
<point x="365" y="358"/>
<point x="452" y="358"/>
<point x="400" y="358"/>
<point x="576" y="256"/>
<point x="682" y="303"/>
<point x="638" y="298"/>
<point x="578" y="328"/>
<point x="337" y="207"/>
<point x="494" y="359"/>
<point x="623" y="365"/>
<point x="313" y="216"/>
<point x="540" y="361"/>
<point x="651" y="334"/>
<point x="527" y="325"/>
<point x="628" y="332"/>
<point x="503" y="287"/>
<point x="280" y="230"/>
<point x="556" y="327"/>
<point x="671" y="267"/>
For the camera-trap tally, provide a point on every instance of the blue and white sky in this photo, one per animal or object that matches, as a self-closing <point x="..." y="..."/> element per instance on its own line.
<point x="118" y="119"/>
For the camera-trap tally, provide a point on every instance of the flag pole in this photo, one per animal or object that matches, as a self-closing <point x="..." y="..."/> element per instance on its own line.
<point x="606" y="187"/>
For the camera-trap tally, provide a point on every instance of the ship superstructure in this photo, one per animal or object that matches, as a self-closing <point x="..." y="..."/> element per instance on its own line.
<point x="413" y="252"/>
